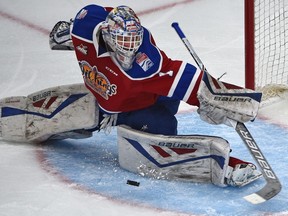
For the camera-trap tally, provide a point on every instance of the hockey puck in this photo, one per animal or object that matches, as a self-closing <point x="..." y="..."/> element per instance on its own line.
<point x="134" y="183"/>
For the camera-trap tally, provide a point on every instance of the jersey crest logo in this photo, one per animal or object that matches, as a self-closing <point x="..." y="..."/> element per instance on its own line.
<point x="97" y="80"/>
<point x="82" y="14"/>
<point x="83" y="49"/>
<point x="144" y="61"/>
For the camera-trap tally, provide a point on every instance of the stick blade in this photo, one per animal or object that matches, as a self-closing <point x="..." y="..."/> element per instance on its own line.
<point x="254" y="198"/>
<point x="271" y="189"/>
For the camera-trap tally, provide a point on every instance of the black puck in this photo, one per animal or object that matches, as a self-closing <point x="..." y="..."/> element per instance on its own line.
<point x="134" y="183"/>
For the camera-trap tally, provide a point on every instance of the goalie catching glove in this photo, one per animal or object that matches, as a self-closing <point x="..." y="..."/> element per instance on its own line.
<point x="60" y="38"/>
<point x="220" y="102"/>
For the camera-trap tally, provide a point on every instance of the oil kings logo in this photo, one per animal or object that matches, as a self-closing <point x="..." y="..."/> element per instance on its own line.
<point x="97" y="80"/>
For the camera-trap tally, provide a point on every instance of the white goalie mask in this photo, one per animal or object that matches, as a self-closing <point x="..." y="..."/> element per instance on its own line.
<point x="123" y="33"/>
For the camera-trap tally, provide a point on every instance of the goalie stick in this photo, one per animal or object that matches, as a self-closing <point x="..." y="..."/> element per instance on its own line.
<point x="273" y="185"/>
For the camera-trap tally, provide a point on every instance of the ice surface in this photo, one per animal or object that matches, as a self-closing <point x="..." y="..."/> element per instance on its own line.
<point x="83" y="177"/>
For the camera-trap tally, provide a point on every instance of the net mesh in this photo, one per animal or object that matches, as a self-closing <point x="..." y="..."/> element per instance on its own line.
<point x="271" y="46"/>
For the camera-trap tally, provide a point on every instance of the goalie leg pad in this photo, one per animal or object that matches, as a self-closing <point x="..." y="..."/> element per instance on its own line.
<point x="43" y="114"/>
<point x="13" y="128"/>
<point x="185" y="158"/>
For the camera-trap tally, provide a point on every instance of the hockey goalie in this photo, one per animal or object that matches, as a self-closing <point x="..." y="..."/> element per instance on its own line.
<point x="130" y="83"/>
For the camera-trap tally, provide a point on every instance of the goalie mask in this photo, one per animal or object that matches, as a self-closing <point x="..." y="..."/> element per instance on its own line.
<point x="123" y="33"/>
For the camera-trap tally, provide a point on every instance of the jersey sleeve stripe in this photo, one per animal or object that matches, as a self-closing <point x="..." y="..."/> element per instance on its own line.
<point x="176" y="80"/>
<point x="192" y="85"/>
<point x="184" y="82"/>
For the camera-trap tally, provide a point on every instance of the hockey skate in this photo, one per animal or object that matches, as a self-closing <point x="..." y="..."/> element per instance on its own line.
<point x="242" y="174"/>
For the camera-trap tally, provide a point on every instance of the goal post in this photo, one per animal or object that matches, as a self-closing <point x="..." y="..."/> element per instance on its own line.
<point x="249" y="44"/>
<point x="266" y="46"/>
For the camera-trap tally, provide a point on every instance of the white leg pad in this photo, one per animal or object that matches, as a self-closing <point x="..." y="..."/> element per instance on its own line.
<point x="48" y="112"/>
<point x="187" y="158"/>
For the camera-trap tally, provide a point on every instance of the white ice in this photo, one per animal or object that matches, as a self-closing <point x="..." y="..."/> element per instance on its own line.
<point x="216" y="30"/>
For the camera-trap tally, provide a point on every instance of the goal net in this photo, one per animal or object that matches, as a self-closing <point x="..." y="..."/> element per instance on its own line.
<point x="266" y="47"/>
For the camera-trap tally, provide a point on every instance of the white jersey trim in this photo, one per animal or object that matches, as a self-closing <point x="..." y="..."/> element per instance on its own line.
<point x="96" y="41"/>
<point x="108" y="111"/>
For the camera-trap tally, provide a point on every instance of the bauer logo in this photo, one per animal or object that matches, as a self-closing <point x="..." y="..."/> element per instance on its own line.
<point x="44" y="100"/>
<point x="258" y="155"/>
<point x="176" y="145"/>
<point x="232" y="99"/>
<point x="41" y="96"/>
